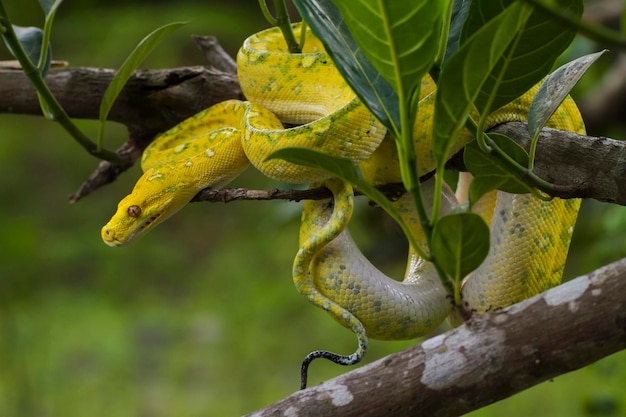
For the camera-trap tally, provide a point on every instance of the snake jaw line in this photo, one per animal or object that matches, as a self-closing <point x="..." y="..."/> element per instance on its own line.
<point x="133" y="218"/>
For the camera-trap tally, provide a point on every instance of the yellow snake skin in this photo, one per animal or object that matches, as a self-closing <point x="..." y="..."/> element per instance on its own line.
<point x="529" y="237"/>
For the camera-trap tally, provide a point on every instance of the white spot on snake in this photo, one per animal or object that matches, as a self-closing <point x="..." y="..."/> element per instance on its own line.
<point x="155" y="177"/>
<point x="210" y="152"/>
<point x="188" y="163"/>
<point x="567" y="294"/>
<point x="446" y="364"/>
<point x="570" y="230"/>
<point x="180" y="148"/>
<point x="340" y="395"/>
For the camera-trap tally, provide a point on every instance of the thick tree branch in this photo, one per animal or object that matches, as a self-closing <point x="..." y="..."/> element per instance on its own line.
<point x="495" y="356"/>
<point x="154" y="101"/>
<point x="151" y="102"/>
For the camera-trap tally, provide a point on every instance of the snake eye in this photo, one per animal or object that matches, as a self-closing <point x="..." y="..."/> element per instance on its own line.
<point x="134" y="211"/>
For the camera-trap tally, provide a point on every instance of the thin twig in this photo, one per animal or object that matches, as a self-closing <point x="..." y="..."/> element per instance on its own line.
<point x="226" y="195"/>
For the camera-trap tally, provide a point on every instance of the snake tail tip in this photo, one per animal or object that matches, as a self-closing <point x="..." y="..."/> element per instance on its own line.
<point x="333" y="357"/>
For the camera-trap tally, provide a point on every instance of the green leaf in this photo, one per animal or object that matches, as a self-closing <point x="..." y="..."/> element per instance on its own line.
<point x="340" y="167"/>
<point x="31" y="40"/>
<point x="554" y="90"/>
<point x="374" y="91"/>
<point x="459" y="15"/>
<point x="488" y="170"/>
<point x="460" y="243"/>
<point x="538" y="43"/>
<point x="136" y="57"/>
<point x="465" y="73"/>
<point x="400" y="38"/>
<point x="50" y="6"/>
<point x="482" y="185"/>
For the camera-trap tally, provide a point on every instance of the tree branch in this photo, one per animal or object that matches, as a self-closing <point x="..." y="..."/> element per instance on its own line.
<point x="226" y="195"/>
<point x="155" y="100"/>
<point x="152" y="101"/>
<point x="580" y="166"/>
<point x="494" y="357"/>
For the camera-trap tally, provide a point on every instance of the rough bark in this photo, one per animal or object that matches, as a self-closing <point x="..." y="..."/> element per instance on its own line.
<point x="493" y="357"/>
<point x="151" y="102"/>
<point x="580" y="166"/>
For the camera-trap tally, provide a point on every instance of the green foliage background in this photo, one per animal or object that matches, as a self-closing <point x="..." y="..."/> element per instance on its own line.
<point x="200" y="317"/>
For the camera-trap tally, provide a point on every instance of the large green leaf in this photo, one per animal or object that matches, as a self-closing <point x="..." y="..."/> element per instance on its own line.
<point x="460" y="243"/>
<point x="465" y="73"/>
<point x="400" y="38"/>
<point x="374" y="91"/>
<point x="529" y="58"/>
<point x="136" y="57"/>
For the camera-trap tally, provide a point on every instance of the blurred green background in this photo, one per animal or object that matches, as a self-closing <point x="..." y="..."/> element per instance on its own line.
<point x="200" y="317"/>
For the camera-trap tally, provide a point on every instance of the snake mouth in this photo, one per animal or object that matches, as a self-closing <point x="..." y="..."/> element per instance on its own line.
<point x="113" y="243"/>
<point x="108" y="237"/>
<point x="115" y="237"/>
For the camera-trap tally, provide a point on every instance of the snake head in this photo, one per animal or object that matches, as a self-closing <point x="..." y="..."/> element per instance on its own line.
<point x="150" y="203"/>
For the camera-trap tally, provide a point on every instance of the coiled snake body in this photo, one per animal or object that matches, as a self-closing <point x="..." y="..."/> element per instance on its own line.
<point x="529" y="237"/>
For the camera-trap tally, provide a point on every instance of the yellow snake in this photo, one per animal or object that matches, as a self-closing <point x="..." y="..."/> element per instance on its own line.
<point x="529" y="237"/>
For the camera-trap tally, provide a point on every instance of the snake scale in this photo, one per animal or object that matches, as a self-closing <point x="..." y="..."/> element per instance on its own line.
<point x="529" y="237"/>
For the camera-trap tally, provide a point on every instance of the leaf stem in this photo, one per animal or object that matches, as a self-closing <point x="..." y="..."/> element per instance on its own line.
<point x="532" y="151"/>
<point x="408" y="161"/>
<point x="266" y="13"/>
<point x="45" y="42"/>
<point x="284" y="24"/>
<point x="57" y="112"/>
<point x="303" y="27"/>
<point x="524" y="173"/>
